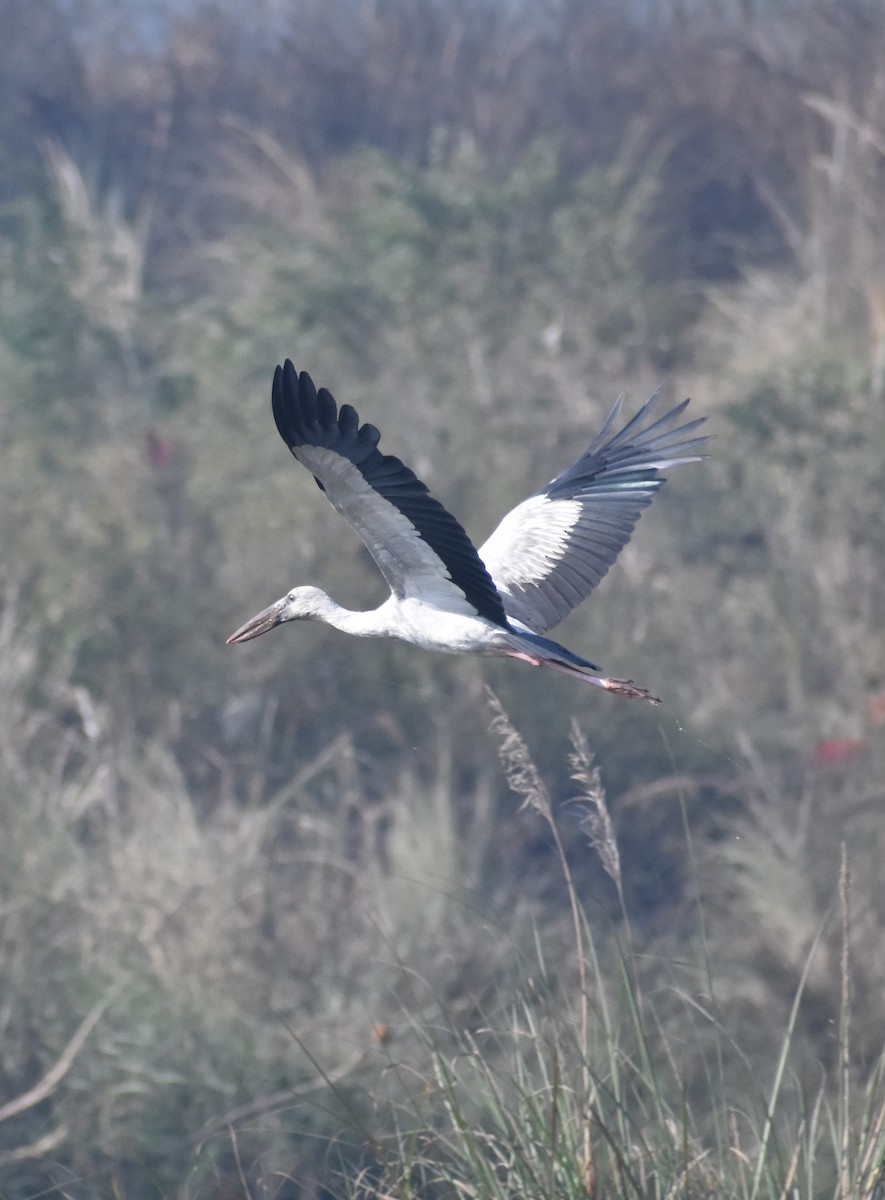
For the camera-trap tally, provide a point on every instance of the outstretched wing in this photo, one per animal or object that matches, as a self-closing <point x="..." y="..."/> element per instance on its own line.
<point x="550" y="552"/>
<point x="420" y="548"/>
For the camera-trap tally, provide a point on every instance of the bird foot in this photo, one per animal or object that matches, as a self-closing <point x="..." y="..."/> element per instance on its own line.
<point x="626" y="687"/>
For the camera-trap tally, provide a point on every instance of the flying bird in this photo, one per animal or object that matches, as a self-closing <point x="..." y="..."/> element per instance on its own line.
<point x="546" y="556"/>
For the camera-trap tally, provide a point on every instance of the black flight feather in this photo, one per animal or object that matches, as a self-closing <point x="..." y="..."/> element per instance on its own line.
<point x="304" y="416"/>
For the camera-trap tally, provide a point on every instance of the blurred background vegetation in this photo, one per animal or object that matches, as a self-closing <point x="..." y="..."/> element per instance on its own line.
<point x="239" y="886"/>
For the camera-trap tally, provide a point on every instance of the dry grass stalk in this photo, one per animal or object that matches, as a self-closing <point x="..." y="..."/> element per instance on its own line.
<point x="596" y="821"/>
<point x="845" y="1023"/>
<point x="588" y="1170"/>
<point x="519" y="769"/>
<point x="56" y="1073"/>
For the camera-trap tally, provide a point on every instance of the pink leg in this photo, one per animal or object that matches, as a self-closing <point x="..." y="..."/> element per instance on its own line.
<point x="621" y="687"/>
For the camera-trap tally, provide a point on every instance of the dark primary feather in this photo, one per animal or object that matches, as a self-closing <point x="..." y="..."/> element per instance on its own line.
<point x="550" y="552"/>
<point x="307" y="417"/>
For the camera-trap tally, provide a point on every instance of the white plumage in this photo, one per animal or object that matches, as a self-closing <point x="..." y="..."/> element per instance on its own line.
<point x="544" y="558"/>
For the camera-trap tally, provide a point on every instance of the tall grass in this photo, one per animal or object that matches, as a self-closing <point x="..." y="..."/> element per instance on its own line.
<point x="576" y="1086"/>
<point x="342" y="989"/>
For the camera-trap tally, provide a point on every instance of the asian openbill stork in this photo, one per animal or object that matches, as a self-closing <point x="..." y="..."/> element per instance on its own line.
<point x="545" y="557"/>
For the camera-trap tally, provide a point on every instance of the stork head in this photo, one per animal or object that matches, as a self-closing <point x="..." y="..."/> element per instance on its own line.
<point x="301" y="604"/>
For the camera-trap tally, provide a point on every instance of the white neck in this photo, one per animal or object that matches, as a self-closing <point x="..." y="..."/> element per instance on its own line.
<point x="373" y="623"/>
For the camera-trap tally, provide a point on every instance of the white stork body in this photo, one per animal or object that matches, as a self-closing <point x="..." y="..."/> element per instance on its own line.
<point x="545" y="557"/>
<point x="420" y="622"/>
